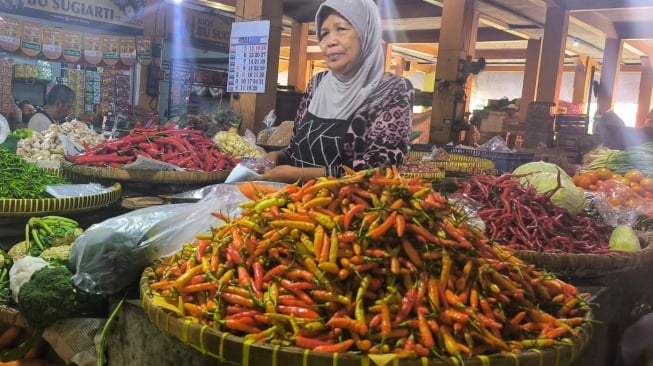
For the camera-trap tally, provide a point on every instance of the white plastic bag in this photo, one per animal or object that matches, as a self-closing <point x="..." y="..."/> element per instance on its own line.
<point x="110" y="256"/>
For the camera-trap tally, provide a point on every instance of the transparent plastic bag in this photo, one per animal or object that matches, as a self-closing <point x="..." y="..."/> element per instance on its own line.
<point x="618" y="204"/>
<point x="111" y="255"/>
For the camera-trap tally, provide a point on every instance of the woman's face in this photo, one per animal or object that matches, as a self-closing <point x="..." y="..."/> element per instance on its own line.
<point x="340" y="44"/>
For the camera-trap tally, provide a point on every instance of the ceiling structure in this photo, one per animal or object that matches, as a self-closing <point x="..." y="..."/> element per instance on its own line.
<point x="413" y="27"/>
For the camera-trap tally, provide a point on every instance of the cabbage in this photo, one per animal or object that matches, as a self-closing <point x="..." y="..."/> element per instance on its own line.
<point x="544" y="177"/>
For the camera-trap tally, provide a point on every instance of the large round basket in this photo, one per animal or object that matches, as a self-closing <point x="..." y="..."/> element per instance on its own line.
<point x="61" y="206"/>
<point x="587" y="266"/>
<point x="234" y="350"/>
<point x="146" y="176"/>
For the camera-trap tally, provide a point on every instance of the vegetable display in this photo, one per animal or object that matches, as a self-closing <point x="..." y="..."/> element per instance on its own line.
<point x="547" y="177"/>
<point x="184" y="148"/>
<point x="43" y="234"/>
<point x="22" y="180"/>
<point x="48" y="146"/>
<point x="522" y="218"/>
<point x="369" y="262"/>
<point x="637" y="157"/>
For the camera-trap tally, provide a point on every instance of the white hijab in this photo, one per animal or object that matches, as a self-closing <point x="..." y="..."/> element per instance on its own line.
<point x="339" y="96"/>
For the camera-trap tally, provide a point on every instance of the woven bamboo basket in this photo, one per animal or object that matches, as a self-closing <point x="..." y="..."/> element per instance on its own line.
<point x="586" y="266"/>
<point x="147" y="176"/>
<point x="60" y="206"/>
<point x="458" y="164"/>
<point x="234" y="350"/>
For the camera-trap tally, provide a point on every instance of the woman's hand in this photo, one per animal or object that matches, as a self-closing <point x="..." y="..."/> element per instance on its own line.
<point x="290" y="174"/>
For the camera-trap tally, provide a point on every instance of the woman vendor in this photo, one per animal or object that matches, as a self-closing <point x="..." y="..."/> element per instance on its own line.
<point x="353" y="115"/>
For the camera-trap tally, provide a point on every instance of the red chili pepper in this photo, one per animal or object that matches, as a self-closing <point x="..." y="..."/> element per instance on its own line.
<point x="298" y="311"/>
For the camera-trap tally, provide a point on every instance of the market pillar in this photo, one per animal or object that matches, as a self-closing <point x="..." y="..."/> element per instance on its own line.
<point x="582" y="80"/>
<point x="552" y="55"/>
<point x="298" y="59"/>
<point x="457" y="42"/>
<point x="645" y="99"/>
<point x="531" y="69"/>
<point x="609" y="74"/>
<point x="253" y="107"/>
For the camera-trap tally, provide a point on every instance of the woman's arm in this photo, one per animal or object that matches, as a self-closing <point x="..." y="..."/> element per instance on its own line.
<point x="291" y="174"/>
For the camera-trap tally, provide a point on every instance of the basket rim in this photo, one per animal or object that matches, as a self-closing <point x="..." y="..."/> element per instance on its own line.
<point x="147" y="176"/>
<point x="202" y="337"/>
<point x="11" y="207"/>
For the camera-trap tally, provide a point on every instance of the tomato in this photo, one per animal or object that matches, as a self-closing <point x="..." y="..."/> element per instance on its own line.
<point x="634" y="175"/>
<point x="593" y="177"/>
<point x="603" y="173"/>
<point x="647" y="184"/>
<point x="622" y="180"/>
<point x="637" y="188"/>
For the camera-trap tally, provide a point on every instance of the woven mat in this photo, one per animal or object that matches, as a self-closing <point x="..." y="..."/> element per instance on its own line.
<point x="234" y="350"/>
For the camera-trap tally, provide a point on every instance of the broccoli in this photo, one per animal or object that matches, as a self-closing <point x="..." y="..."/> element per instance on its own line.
<point x="48" y="296"/>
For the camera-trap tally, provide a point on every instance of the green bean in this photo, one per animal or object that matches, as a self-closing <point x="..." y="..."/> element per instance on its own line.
<point x="22" y="180"/>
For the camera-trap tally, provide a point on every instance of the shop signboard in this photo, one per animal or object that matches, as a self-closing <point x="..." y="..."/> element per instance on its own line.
<point x="248" y="57"/>
<point x="11" y="31"/>
<point x="123" y="16"/>
<point x="52" y="43"/>
<point x="72" y="45"/>
<point x="201" y="30"/>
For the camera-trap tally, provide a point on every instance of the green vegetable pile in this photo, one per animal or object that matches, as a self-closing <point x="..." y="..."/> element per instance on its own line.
<point x="49" y="296"/>
<point x="23" y="133"/>
<point x="22" y="180"/>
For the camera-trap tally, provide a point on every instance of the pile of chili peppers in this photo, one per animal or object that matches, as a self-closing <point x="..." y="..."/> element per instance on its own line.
<point x="185" y="148"/>
<point x="523" y="219"/>
<point x="370" y="262"/>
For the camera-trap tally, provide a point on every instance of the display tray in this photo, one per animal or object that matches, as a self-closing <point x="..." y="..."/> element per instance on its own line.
<point x="147" y="176"/>
<point x="60" y="206"/>
<point x="234" y="350"/>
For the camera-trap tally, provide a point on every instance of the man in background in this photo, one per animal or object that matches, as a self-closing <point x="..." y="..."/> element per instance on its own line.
<point x="59" y="103"/>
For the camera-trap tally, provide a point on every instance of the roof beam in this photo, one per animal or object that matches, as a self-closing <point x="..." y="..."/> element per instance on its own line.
<point x="638" y="30"/>
<point x="599" y="23"/>
<point x="572" y="5"/>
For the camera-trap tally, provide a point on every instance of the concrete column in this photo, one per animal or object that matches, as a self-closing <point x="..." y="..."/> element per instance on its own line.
<point x="609" y="74"/>
<point x="531" y="70"/>
<point x="644" y="100"/>
<point x="582" y="75"/>
<point x="552" y="55"/>
<point x="457" y="41"/>
<point x="253" y="107"/>
<point x="297" y="59"/>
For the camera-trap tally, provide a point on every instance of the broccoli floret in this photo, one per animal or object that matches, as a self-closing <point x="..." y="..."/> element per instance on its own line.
<point x="49" y="296"/>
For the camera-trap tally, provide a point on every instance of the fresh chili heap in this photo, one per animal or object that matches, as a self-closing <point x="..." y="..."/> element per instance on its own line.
<point x="185" y="148"/>
<point x="522" y="218"/>
<point x="370" y="262"/>
<point x="22" y="180"/>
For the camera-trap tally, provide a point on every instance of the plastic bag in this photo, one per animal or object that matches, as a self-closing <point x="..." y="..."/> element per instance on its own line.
<point x="617" y="204"/>
<point x="496" y="143"/>
<point x="111" y="255"/>
<point x="4" y="129"/>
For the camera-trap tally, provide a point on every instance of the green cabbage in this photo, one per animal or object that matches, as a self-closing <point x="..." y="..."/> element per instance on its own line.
<point x="544" y="177"/>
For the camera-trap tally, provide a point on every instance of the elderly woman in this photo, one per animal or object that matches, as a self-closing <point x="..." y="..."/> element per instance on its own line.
<point x="353" y="115"/>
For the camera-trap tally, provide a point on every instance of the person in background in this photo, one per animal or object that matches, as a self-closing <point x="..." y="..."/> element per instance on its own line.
<point x="13" y="115"/>
<point x="353" y="115"/>
<point x="27" y="110"/>
<point x="59" y="103"/>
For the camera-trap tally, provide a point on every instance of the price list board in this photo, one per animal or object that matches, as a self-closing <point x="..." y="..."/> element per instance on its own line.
<point x="248" y="57"/>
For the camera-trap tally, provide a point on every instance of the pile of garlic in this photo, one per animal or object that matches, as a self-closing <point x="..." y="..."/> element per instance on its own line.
<point x="47" y="146"/>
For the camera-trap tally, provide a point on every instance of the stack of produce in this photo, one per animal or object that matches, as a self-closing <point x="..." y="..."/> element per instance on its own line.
<point x="522" y="218"/>
<point x="48" y="146"/>
<point x="23" y="180"/>
<point x="185" y="148"/>
<point x="621" y="161"/>
<point x="369" y="262"/>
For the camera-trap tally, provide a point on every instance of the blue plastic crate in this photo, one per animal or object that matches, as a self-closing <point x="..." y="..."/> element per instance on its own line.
<point x="503" y="161"/>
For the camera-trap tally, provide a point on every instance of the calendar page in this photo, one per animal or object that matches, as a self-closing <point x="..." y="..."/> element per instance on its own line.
<point x="248" y="56"/>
